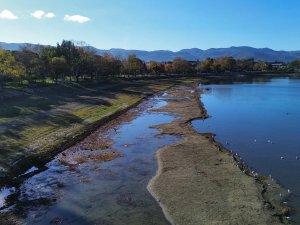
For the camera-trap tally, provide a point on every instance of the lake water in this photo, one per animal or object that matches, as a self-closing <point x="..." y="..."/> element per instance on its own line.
<point x="260" y="121"/>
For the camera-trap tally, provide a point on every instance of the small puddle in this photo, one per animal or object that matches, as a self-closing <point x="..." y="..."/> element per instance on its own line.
<point x="32" y="169"/>
<point x="4" y="193"/>
<point x="165" y="94"/>
<point x="113" y="192"/>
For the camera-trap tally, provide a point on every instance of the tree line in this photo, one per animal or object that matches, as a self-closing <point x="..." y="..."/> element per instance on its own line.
<point x="68" y="61"/>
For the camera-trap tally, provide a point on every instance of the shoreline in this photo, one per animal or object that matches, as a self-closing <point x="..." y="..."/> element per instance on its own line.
<point x="79" y="157"/>
<point x="191" y="97"/>
<point x="40" y="160"/>
<point x="13" y="175"/>
<point x="149" y="187"/>
<point x="266" y="207"/>
<point x="10" y="175"/>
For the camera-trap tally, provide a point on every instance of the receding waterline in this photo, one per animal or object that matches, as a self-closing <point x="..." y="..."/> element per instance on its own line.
<point x="113" y="192"/>
<point x="260" y="122"/>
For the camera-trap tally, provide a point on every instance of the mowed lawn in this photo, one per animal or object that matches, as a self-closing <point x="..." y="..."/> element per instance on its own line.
<point x="38" y="121"/>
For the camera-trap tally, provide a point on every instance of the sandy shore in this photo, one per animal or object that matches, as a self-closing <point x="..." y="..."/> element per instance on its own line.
<point x="200" y="182"/>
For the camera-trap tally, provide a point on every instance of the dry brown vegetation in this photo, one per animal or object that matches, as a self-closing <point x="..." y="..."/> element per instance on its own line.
<point x="199" y="182"/>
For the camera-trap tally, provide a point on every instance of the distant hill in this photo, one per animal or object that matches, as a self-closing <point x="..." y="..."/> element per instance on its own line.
<point x="14" y="46"/>
<point x="242" y="52"/>
<point x="194" y="53"/>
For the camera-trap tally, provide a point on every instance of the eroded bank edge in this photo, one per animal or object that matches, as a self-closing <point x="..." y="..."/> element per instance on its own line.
<point x="277" y="207"/>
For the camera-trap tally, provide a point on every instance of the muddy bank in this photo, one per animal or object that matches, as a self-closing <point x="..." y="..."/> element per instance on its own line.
<point x="200" y="182"/>
<point x="11" y="177"/>
<point x="100" y="180"/>
<point x="40" y="124"/>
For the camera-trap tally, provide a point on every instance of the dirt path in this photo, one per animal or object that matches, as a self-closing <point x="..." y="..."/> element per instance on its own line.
<point x="199" y="182"/>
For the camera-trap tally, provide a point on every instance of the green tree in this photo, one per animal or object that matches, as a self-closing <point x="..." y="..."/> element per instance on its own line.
<point x="86" y="62"/>
<point x="59" y="67"/>
<point x="10" y="69"/>
<point x="43" y="64"/>
<point x="261" y="66"/>
<point x="31" y="61"/>
<point x="70" y="52"/>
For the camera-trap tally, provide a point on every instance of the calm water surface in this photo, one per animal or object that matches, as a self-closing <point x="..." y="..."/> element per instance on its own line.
<point x="261" y="122"/>
<point x="109" y="193"/>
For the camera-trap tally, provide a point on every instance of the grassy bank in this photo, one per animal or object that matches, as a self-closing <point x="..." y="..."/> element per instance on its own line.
<point x="37" y="123"/>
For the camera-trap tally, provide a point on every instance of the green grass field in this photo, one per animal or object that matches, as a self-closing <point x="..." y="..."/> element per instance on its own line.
<point x="36" y="122"/>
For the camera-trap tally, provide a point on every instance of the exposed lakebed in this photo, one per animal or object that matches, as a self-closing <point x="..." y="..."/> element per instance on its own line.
<point x="260" y="121"/>
<point x="82" y="190"/>
<point x="103" y="179"/>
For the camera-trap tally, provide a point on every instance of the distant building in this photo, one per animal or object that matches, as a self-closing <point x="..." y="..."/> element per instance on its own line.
<point x="278" y="65"/>
<point x="195" y="63"/>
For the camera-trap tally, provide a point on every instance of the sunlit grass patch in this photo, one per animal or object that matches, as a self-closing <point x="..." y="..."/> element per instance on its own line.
<point x="40" y="123"/>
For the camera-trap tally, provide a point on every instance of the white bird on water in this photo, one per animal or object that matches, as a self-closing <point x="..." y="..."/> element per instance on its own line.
<point x="297" y="157"/>
<point x="281" y="157"/>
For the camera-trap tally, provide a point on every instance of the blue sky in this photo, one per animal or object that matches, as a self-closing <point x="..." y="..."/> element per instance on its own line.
<point x="154" y="24"/>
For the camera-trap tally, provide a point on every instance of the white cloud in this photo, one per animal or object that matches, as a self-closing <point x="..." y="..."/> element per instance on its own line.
<point x="76" y="18"/>
<point x="7" y="14"/>
<point x="50" y="15"/>
<point x="40" y="14"/>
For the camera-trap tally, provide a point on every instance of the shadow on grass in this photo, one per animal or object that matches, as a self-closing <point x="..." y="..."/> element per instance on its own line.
<point x="48" y="98"/>
<point x="14" y="138"/>
<point x="53" y="96"/>
<point x="22" y="131"/>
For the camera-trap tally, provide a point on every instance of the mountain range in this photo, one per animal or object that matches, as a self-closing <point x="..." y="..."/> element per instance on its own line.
<point x="242" y="52"/>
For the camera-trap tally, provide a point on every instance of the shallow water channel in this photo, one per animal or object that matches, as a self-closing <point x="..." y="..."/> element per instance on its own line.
<point x="104" y="193"/>
<point x="260" y="121"/>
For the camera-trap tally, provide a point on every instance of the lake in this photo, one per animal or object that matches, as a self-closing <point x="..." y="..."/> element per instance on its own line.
<point x="260" y="121"/>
